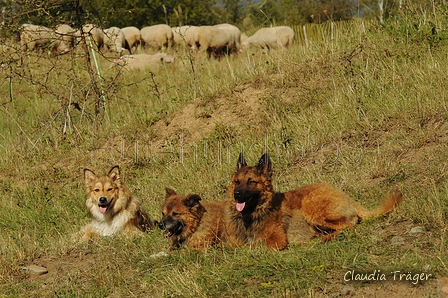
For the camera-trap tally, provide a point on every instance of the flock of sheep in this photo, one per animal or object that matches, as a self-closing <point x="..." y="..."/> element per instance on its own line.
<point x="216" y="41"/>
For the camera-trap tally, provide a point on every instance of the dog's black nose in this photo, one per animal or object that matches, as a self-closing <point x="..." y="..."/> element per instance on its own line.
<point x="161" y="225"/>
<point x="103" y="200"/>
<point x="237" y="194"/>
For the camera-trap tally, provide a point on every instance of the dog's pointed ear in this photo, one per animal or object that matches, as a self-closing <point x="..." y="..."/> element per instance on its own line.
<point x="114" y="173"/>
<point x="241" y="162"/>
<point x="264" y="164"/>
<point x="192" y="200"/>
<point x="169" y="192"/>
<point x="89" y="176"/>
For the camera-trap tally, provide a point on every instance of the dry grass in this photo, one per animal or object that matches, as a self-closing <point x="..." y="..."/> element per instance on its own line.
<point x="365" y="111"/>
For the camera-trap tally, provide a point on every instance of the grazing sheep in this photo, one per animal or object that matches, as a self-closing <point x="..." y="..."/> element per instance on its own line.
<point x="143" y="61"/>
<point x="157" y="37"/>
<point x="114" y="40"/>
<point x="65" y="38"/>
<point x="213" y="40"/>
<point x="235" y="31"/>
<point x="184" y="35"/>
<point x="132" y="38"/>
<point x="33" y="37"/>
<point x="270" y="38"/>
<point x="93" y="34"/>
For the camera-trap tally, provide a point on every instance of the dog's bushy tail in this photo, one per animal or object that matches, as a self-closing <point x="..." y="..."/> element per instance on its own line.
<point x="387" y="204"/>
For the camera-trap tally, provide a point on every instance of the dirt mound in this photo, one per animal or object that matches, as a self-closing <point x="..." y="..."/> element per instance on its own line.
<point x="240" y="109"/>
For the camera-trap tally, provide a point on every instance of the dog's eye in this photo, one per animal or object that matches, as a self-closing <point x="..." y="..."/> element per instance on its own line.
<point x="251" y="181"/>
<point x="163" y="213"/>
<point x="110" y="189"/>
<point x="174" y="213"/>
<point x="96" y="190"/>
<point x="236" y="182"/>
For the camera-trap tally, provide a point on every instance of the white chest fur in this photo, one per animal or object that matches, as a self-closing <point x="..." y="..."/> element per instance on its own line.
<point x="104" y="226"/>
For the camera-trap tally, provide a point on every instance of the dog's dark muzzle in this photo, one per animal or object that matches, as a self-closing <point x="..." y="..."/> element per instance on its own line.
<point x="237" y="195"/>
<point x="242" y="196"/>
<point x="174" y="227"/>
<point x="102" y="202"/>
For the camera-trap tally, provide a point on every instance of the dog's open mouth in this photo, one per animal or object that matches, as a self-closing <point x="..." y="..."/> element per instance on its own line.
<point x="175" y="230"/>
<point x="103" y="207"/>
<point x="240" y="205"/>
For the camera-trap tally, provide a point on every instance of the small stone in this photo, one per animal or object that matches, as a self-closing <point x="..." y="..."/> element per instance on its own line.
<point x="347" y="290"/>
<point x="159" y="254"/>
<point x="416" y="231"/>
<point x="397" y="241"/>
<point x="34" y="269"/>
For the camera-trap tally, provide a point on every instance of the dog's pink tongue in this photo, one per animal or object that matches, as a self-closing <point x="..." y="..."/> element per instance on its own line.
<point x="240" y="206"/>
<point x="103" y="209"/>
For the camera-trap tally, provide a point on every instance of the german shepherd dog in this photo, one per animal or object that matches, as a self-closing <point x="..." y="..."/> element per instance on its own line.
<point x="257" y="213"/>
<point x="190" y="222"/>
<point x="112" y="206"/>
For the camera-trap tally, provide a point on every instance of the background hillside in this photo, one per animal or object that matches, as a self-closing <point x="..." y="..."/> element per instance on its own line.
<point x="362" y="105"/>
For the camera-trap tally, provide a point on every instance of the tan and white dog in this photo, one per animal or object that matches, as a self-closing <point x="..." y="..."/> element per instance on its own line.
<point x="112" y="207"/>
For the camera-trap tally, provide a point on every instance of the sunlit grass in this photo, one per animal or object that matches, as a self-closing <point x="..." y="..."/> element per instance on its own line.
<point x="357" y="107"/>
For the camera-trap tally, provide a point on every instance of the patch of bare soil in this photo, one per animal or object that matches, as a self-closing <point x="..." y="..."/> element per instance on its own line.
<point x="74" y="266"/>
<point x="238" y="110"/>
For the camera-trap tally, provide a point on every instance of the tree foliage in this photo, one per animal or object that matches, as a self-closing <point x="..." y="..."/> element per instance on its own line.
<point x="243" y="13"/>
<point x="319" y="11"/>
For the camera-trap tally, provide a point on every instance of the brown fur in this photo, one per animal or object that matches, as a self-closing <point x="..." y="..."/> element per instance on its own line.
<point x="190" y="222"/>
<point x="112" y="206"/>
<point x="254" y="212"/>
<point x="328" y="209"/>
<point x="296" y="216"/>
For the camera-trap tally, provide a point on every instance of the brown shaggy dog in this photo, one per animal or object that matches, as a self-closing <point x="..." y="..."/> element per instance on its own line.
<point x="257" y="213"/>
<point x="190" y="222"/>
<point x="112" y="207"/>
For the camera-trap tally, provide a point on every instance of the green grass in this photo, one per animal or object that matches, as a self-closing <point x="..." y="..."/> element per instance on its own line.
<point x="365" y="111"/>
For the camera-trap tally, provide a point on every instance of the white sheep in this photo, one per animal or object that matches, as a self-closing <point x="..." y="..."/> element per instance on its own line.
<point x="271" y="38"/>
<point x="132" y="38"/>
<point x="114" y="40"/>
<point x="149" y="62"/>
<point x="94" y="35"/>
<point x="214" y="40"/>
<point x="235" y="31"/>
<point x="184" y="35"/>
<point x="157" y="36"/>
<point x="33" y="37"/>
<point x="65" y="38"/>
